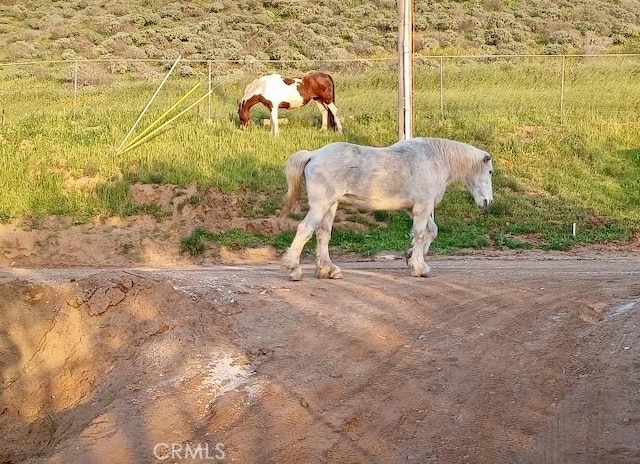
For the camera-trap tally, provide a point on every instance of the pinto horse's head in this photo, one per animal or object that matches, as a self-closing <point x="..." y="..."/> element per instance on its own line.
<point x="245" y="105"/>
<point x="243" y="114"/>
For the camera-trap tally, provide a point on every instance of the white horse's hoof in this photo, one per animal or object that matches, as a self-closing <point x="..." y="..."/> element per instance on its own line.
<point x="421" y="271"/>
<point x="288" y="262"/>
<point x="329" y="272"/>
<point x="336" y="273"/>
<point x="323" y="273"/>
<point x="296" y="273"/>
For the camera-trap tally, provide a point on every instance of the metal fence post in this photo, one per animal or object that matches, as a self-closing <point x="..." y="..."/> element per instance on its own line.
<point x="562" y="90"/>
<point x="441" y="87"/>
<point x="209" y="93"/>
<point x="75" y="89"/>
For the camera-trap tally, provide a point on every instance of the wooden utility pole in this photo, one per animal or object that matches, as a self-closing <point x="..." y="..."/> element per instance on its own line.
<point x="405" y="68"/>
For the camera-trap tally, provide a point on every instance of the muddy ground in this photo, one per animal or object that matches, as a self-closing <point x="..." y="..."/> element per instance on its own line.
<point x="498" y="358"/>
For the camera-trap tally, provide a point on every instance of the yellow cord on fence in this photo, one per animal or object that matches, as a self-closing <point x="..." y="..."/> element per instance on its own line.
<point x="149" y="103"/>
<point x="145" y="138"/>
<point x="154" y="123"/>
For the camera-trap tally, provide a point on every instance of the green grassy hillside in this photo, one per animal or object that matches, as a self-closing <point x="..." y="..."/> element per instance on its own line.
<point x="316" y="30"/>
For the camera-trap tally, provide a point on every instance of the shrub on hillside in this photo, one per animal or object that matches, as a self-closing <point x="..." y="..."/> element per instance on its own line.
<point x="512" y="48"/>
<point x="564" y="37"/>
<point x="191" y="10"/>
<point x="364" y="48"/>
<point x="284" y="53"/>
<point x="151" y="51"/>
<point x="145" y="18"/>
<point x="626" y="30"/>
<point x="22" y="50"/>
<point x="118" y="7"/>
<point x="215" y="7"/>
<point x="33" y="23"/>
<point x="18" y="11"/>
<point x="172" y="11"/>
<point x="444" y="22"/>
<point x="447" y="39"/>
<point x="468" y="24"/>
<point x="594" y="45"/>
<point x="118" y="43"/>
<point x="275" y="3"/>
<point x="366" y="10"/>
<point x="208" y="25"/>
<point x="555" y="49"/>
<point x="88" y="74"/>
<point x="108" y="24"/>
<point x="68" y="55"/>
<point x="186" y="70"/>
<point x="424" y="43"/>
<point x="224" y="49"/>
<point x="179" y="34"/>
<point x="98" y="51"/>
<point x="498" y="36"/>
<point x="252" y="65"/>
<point x="385" y="24"/>
<point x="134" y="53"/>
<point x="119" y="67"/>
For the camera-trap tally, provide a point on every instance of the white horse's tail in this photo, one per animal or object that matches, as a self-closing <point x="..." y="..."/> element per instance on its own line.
<point x="293" y="171"/>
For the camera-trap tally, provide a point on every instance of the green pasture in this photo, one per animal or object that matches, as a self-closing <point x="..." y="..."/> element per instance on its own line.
<point x="565" y="138"/>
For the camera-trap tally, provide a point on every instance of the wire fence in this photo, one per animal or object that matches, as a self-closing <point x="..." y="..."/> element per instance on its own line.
<point x="562" y="85"/>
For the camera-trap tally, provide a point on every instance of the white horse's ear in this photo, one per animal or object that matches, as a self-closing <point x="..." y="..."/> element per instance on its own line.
<point x="487" y="158"/>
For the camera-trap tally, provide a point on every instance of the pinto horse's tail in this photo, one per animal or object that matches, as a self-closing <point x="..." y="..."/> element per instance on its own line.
<point x="293" y="171"/>
<point x="332" y="118"/>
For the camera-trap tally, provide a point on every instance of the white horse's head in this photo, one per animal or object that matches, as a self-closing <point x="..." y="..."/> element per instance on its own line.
<point x="479" y="183"/>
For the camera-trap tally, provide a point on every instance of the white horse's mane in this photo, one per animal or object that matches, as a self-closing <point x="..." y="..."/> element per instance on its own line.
<point x="456" y="155"/>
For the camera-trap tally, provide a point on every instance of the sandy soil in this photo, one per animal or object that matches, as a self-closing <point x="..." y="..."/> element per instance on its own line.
<point x="499" y="358"/>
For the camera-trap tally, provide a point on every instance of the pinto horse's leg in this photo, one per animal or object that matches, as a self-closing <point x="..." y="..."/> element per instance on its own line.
<point x="334" y="111"/>
<point x="274" y="120"/>
<point x="419" y="234"/>
<point x="324" y="267"/>
<point x="291" y="258"/>
<point x="325" y="114"/>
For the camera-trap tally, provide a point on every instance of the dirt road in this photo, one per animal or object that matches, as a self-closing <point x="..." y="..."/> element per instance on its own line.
<point x="524" y="358"/>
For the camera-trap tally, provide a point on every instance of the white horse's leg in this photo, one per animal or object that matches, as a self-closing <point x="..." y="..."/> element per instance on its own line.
<point x="274" y="120"/>
<point x="334" y="111"/>
<point x="291" y="258"/>
<point x="430" y="235"/>
<point x="325" y="114"/>
<point x="324" y="267"/>
<point x="418" y="233"/>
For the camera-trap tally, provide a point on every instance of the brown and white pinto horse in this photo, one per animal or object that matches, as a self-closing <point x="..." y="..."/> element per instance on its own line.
<point x="275" y="91"/>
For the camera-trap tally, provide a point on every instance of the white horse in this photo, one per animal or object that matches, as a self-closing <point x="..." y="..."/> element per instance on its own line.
<point x="411" y="175"/>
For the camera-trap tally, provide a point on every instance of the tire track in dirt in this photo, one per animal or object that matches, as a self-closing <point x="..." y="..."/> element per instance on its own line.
<point x="437" y="370"/>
